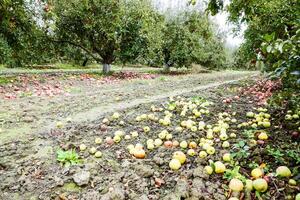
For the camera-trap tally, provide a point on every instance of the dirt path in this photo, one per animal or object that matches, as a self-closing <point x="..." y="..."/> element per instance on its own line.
<point x="22" y="118"/>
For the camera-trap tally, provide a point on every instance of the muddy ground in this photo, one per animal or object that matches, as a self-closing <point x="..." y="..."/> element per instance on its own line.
<point x="29" y="141"/>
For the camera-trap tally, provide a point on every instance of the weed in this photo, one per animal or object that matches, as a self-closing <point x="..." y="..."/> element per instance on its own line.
<point x="67" y="158"/>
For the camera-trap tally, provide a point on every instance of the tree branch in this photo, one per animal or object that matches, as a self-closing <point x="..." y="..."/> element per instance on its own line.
<point x="82" y="47"/>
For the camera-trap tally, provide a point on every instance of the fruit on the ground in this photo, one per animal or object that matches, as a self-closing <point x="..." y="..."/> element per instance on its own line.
<point x="169" y="136"/>
<point x="183" y="144"/>
<point x="266" y="124"/>
<point x="98" y="140"/>
<point x="192" y="145"/>
<point x="297" y="196"/>
<point x="117" y="139"/>
<point x="233" y="198"/>
<point x="263" y="136"/>
<point x="191" y="152"/>
<point x="134" y="134"/>
<point x="260" y="185"/>
<point x="210" y="150"/>
<point x="178" y="129"/>
<point x="236" y="185"/>
<point x="82" y="147"/>
<point x="116" y="115"/>
<point x="179" y="155"/>
<point x="119" y="133"/>
<point x="59" y="124"/>
<point x="92" y="150"/>
<point x="168" y="144"/>
<point x="109" y="140"/>
<point x="250" y="114"/>
<point x="130" y="146"/>
<point x="219" y="167"/>
<point x="227" y="157"/>
<point x="202" y="154"/>
<point x="223" y="136"/>
<point x="175" y="143"/>
<point x="98" y="154"/>
<point x="139" y="146"/>
<point x="225" y="144"/>
<point x="209" y="135"/>
<point x="146" y="129"/>
<point x="158" y="142"/>
<point x="232" y="135"/>
<point x="257" y="172"/>
<point x="127" y="137"/>
<point x="139" y="153"/>
<point x="249" y="185"/>
<point x="105" y="121"/>
<point x="292" y="182"/>
<point x="208" y="169"/>
<point x="283" y="171"/>
<point x="162" y="135"/>
<point x="174" y="164"/>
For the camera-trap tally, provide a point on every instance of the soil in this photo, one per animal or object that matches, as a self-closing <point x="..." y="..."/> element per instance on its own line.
<point x="31" y="136"/>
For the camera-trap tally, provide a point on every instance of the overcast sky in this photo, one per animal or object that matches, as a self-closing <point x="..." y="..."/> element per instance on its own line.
<point x="221" y="19"/>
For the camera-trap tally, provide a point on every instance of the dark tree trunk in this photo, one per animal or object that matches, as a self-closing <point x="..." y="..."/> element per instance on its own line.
<point x="85" y="62"/>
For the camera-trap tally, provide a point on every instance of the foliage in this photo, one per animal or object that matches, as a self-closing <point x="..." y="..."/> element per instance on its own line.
<point x="67" y="158"/>
<point x="190" y="38"/>
<point x="234" y="173"/>
<point x="241" y="150"/>
<point x="20" y="37"/>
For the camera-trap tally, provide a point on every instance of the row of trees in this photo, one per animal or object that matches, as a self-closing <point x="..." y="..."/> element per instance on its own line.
<point x="106" y="31"/>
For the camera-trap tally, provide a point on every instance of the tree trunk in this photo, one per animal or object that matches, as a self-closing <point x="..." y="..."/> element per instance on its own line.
<point x="85" y="62"/>
<point x="106" y="68"/>
<point x="166" y="68"/>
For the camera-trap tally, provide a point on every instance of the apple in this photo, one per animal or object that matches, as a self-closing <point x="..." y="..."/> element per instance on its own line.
<point x="169" y="136"/>
<point x="227" y="157"/>
<point x="192" y="145"/>
<point x="175" y="143"/>
<point x="59" y="124"/>
<point x="249" y="185"/>
<point x="209" y="135"/>
<point x="250" y="114"/>
<point x="263" y="136"/>
<point x="219" y="167"/>
<point x="210" y="150"/>
<point x="295" y="116"/>
<point x="98" y="154"/>
<point x="168" y="144"/>
<point x="98" y="140"/>
<point x="179" y="155"/>
<point x="150" y="146"/>
<point x="82" y="147"/>
<point x="223" y="136"/>
<point x="146" y="129"/>
<point x="117" y="138"/>
<point x="149" y="141"/>
<point x="138" y="119"/>
<point x="127" y="137"/>
<point x="225" y="144"/>
<point x="134" y="134"/>
<point x="257" y="172"/>
<point x="232" y="135"/>
<point x="139" y="146"/>
<point x="283" y="171"/>
<point x="178" y="129"/>
<point x="175" y="164"/>
<point x="158" y="142"/>
<point x="92" y="150"/>
<point x="130" y="146"/>
<point x="208" y="169"/>
<point x="266" y="124"/>
<point x="292" y="182"/>
<point x="139" y="153"/>
<point x="183" y="144"/>
<point x="194" y="129"/>
<point x="260" y="185"/>
<point x="109" y="140"/>
<point x="202" y="154"/>
<point x="191" y="152"/>
<point x="116" y="115"/>
<point x="236" y="185"/>
<point x="105" y="121"/>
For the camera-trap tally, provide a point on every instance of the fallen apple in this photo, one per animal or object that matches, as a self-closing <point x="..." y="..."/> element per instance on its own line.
<point x="109" y="140"/>
<point x="283" y="171"/>
<point x="158" y="142"/>
<point x="92" y="150"/>
<point x="227" y="157"/>
<point x="202" y="154"/>
<point x="249" y="185"/>
<point x="257" y="173"/>
<point x="168" y="144"/>
<point x="225" y="144"/>
<point x="127" y="137"/>
<point x="191" y="152"/>
<point x="98" y="140"/>
<point x="169" y="136"/>
<point x="139" y="153"/>
<point x="82" y="147"/>
<point x="192" y="145"/>
<point x="219" y="167"/>
<point x="208" y="169"/>
<point x="134" y="134"/>
<point x="175" y="143"/>
<point x="175" y="164"/>
<point x="292" y="182"/>
<point x="260" y="185"/>
<point x="116" y="115"/>
<point x="179" y="155"/>
<point x="98" y="154"/>
<point x="263" y="136"/>
<point x="183" y="144"/>
<point x="146" y="129"/>
<point x="210" y="150"/>
<point x="117" y="138"/>
<point x="236" y="185"/>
